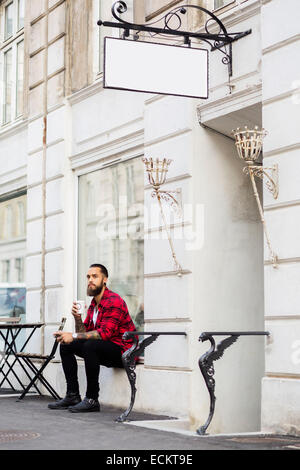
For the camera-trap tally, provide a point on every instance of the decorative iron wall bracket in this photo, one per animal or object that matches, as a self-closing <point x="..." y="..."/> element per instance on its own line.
<point x="222" y="41"/>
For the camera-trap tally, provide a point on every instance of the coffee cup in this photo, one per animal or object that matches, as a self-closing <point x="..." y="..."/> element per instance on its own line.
<point x="80" y="304"/>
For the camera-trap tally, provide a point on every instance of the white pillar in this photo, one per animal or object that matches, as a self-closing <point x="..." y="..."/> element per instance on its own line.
<point x="281" y="117"/>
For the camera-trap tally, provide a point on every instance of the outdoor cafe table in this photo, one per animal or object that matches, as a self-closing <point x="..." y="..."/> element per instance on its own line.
<point x="9" y="333"/>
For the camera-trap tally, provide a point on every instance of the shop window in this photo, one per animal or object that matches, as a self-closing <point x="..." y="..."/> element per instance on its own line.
<point x="12" y="256"/>
<point x="109" y="231"/>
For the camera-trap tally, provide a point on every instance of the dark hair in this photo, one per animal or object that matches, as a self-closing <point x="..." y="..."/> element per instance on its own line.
<point x="101" y="267"/>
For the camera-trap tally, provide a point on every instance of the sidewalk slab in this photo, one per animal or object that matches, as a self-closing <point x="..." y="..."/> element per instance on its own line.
<point x="31" y="425"/>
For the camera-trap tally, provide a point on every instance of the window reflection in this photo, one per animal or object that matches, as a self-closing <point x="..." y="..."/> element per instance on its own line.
<point x="7" y="85"/>
<point x="12" y="240"/>
<point x="20" y="77"/>
<point x="21" y="11"/>
<point x="8" y="21"/>
<point x="109" y="231"/>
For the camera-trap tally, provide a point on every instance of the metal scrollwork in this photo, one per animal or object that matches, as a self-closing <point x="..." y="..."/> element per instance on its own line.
<point x="119" y="7"/>
<point x="207" y="369"/>
<point x="169" y="17"/>
<point x="167" y="196"/>
<point x="222" y="40"/>
<point x="270" y="180"/>
<point x="129" y="363"/>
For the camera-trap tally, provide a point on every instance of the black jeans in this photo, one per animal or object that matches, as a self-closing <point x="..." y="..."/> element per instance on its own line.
<point x="95" y="353"/>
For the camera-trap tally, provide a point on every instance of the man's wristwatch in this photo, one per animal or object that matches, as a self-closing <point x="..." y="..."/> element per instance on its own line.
<point x="74" y="335"/>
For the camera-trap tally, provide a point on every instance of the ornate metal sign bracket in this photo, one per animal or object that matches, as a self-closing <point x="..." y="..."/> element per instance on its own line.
<point x="221" y="41"/>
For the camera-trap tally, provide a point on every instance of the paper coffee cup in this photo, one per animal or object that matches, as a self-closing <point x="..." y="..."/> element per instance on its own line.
<point x="80" y="304"/>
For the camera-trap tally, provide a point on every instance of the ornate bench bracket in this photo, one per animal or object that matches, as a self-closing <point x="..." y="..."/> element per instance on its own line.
<point x="129" y="360"/>
<point x="213" y="354"/>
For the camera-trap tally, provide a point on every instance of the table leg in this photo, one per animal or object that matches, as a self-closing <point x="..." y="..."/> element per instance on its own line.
<point x="11" y="350"/>
<point x="4" y="358"/>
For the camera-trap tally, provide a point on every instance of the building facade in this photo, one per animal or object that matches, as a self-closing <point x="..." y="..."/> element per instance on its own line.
<point x="73" y="191"/>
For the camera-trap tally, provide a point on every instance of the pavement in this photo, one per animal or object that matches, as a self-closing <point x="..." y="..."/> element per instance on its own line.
<point x="30" y="425"/>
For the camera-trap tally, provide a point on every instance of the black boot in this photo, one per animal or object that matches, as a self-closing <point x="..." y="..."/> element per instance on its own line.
<point x="70" y="399"/>
<point x="87" y="405"/>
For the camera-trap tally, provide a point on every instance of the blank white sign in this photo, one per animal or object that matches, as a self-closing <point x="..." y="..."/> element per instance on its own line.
<point x="155" y="68"/>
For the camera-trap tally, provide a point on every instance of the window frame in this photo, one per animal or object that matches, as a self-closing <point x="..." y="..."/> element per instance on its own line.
<point x="12" y="42"/>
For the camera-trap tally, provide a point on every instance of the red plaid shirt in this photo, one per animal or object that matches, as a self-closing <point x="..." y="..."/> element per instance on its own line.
<point x="112" y="321"/>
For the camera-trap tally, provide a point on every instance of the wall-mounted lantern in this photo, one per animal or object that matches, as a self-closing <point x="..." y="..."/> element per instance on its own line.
<point x="249" y="145"/>
<point x="157" y="174"/>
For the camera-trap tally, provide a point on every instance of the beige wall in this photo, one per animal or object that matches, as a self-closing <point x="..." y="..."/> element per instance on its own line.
<point x="153" y="7"/>
<point x="191" y="21"/>
<point x="45" y="36"/>
<point x="80" y="55"/>
<point x="59" y="53"/>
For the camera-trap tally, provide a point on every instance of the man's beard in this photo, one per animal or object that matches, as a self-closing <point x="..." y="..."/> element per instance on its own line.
<point x="94" y="291"/>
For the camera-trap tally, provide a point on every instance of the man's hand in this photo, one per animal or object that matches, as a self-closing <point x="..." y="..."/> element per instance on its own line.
<point x="74" y="311"/>
<point x="79" y="326"/>
<point x="63" y="337"/>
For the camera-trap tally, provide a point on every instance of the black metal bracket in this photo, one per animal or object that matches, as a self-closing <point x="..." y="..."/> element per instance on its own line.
<point x="222" y="41"/>
<point x="213" y="354"/>
<point x="129" y="360"/>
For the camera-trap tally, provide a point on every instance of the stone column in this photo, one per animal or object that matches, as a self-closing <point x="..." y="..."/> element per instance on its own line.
<point x="46" y="33"/>
<point x="281" y="117"/>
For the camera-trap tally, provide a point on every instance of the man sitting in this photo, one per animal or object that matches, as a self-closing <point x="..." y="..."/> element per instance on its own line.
<point x="98" y="340"/>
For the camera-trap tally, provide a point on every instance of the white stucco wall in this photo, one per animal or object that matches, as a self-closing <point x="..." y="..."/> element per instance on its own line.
<point x="223" y="286"/>
<point x="280" y="45"/>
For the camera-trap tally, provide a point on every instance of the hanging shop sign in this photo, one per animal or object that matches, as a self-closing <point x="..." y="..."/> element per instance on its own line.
<point x="133" y="63"/>
<point x="155" y="68"/>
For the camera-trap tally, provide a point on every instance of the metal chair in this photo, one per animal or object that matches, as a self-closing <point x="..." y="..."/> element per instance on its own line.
<point x="30" y="358"/>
